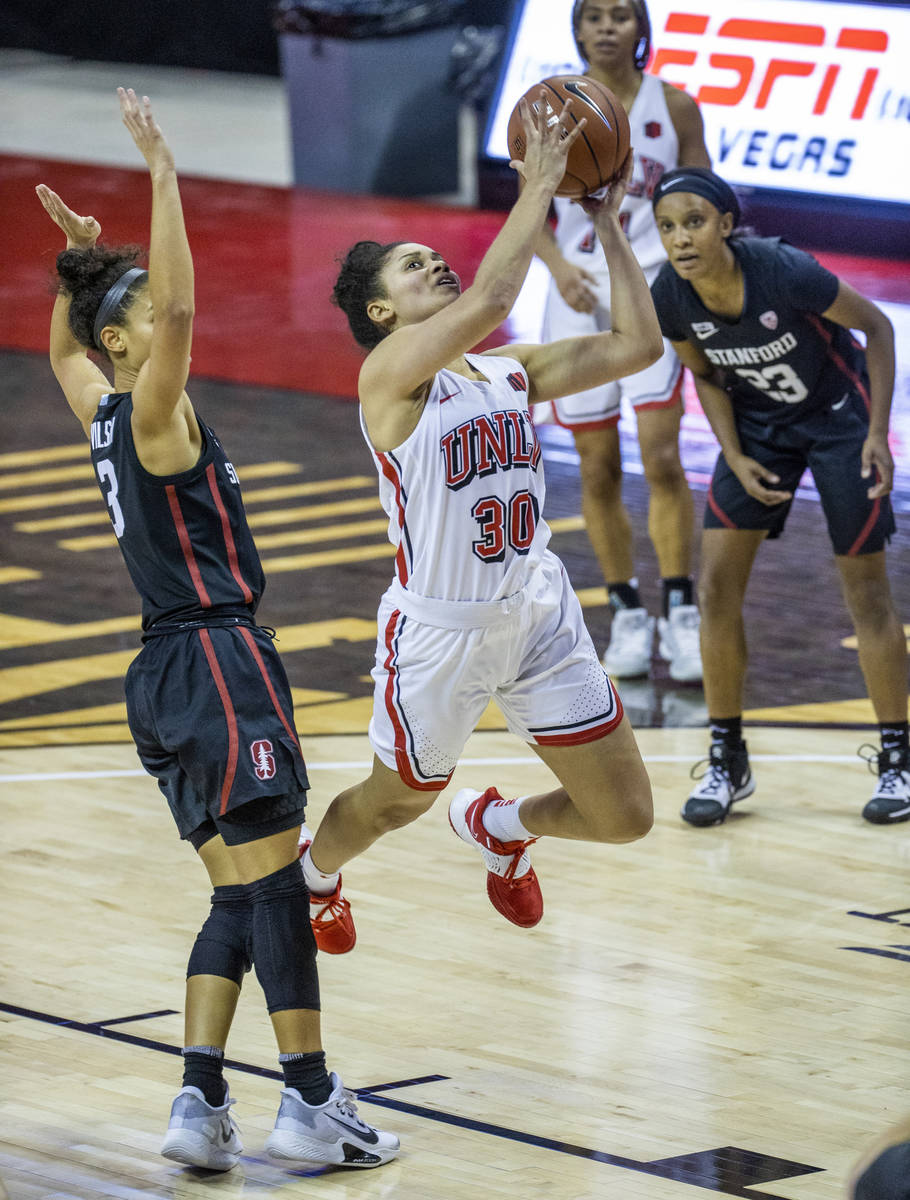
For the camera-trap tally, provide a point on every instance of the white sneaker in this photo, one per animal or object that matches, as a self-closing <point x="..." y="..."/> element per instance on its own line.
<point x="679" y="643"/>
<point x="199" y="1135"/>
<point x="890" y="802"/>
<point x="631" y="643"/>
<point x="726" y="779"/>
<point x="328" y="1133"/>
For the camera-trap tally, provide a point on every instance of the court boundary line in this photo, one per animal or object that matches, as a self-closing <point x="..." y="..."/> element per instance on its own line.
<point x="674" y="1168"/>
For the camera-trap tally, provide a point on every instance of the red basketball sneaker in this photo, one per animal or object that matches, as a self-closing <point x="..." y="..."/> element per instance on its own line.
<point x="331" y="918"/>
<point x="516" y="896"/>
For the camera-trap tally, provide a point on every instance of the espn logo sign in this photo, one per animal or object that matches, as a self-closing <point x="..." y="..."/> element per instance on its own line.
<point x="774" y="51"/>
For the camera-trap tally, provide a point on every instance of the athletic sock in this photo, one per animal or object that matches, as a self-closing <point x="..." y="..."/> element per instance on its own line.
<point x="895" y="735"/>
<point x="624" y="595"/>
<point x="728" y="730"/>
<point x="502" y="819"/>
<point x="318" y="883"/>
<point x="677" y="590"/>
<point x="203" y="1068"/>
<point x="306" y="1073"/>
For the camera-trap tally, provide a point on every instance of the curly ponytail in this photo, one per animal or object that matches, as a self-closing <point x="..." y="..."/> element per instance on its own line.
<point x="357" y="284"/>
<point x="86" y="276"/>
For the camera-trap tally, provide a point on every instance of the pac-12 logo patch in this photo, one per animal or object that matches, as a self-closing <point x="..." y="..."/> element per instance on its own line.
<point x="769" y="319"/>
<point x="653" y="129"/>
<point x="263" y="759"/>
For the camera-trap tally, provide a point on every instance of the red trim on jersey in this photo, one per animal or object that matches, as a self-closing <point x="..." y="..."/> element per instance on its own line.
<point x="230" y="768"/>
<point x="402" y="761"/>
<point x="391" y="475"/>
<point x="229" y="544"/>
<point x="866" y="529"/>
<point x="187" y="546"/>
<point x="584" y="426"/>
<point x="718" y="511"/>
<point x="580" y="736"/>
<point x="263" y="671"/>
<point x="836" y="358"/>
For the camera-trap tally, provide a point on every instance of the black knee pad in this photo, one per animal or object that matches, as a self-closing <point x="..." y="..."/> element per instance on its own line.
<point x="284" y="949"/>
<point x="224" y="943"/>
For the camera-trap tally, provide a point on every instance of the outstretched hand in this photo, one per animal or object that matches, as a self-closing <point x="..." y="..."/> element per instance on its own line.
<point x="144" y="130"/>
<point x="548" y="140"/>
<point x="81" y="232"/>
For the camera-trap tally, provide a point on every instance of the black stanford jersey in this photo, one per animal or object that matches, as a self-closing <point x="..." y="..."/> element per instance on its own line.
<point x="185" y="537"/>
<point x="781" y="358"/>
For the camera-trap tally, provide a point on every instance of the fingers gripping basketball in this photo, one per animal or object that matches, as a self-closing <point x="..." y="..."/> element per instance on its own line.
<point x="598" y="153"/>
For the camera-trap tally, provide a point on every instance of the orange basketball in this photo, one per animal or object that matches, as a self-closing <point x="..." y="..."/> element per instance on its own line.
<point x="600" y="150"/>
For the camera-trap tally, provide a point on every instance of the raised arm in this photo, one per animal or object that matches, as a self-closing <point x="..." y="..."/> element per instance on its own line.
<point x="410" y="356"/>
<point x="159" y="386"/>
<point x="854" y="311"/>
<point x="634" y="341"/>
<point x="82" y="382"/>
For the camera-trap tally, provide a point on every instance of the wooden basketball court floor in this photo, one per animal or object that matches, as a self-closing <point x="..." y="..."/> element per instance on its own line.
<point x="706" y="1011"/>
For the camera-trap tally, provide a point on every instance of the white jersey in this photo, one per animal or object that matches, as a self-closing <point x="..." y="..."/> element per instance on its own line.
<point x="656" y="149"/>
<point x="464" y="493"/>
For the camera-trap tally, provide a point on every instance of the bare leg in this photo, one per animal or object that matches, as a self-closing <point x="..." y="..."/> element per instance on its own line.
<point x="879" y="633"/>
<point x="671" y="511"/>
<point x="605" y="794"/>
<point x="606" y="520"/>
<point x="363" y="813"/>
<point x="727" y="556"/>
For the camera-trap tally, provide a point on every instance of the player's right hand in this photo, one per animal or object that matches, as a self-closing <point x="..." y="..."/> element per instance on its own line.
<point x="548" y="142"/>
<point x="81" y="232"/>
<point x="757" y="480"/>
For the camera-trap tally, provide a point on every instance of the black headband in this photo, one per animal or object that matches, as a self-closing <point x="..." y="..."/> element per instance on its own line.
<point x="111" y="301"/>
<point x="701" y="182"/>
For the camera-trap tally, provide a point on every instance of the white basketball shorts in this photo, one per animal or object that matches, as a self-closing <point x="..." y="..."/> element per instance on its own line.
<point x="438" y="663"/>
<point x="658" y="386"/>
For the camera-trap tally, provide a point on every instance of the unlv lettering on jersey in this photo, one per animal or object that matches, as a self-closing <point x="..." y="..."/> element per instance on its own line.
<point x="491" y="442"/>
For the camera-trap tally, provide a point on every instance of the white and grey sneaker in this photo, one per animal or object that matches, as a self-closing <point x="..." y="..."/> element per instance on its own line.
<point x="679" y="643"/>
<point x="631" y="643"/>
<point x="727" y="778"/>
<point x="890" y="802"/>
<point x="200" y="1135"/>
<point x="328" y="1133"/>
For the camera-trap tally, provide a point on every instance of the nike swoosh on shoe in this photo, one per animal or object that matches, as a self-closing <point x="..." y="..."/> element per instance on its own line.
<point x="366" y="1134"/>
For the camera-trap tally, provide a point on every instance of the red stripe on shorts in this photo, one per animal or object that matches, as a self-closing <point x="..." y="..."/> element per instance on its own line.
<point x="866" y="529"/>
<point x="230" y="717"/>
<point x="263" y="671"/>
<point x="402" y="761"/>
<point x="718" y="511"/>
<point x="187" y="546"/>
<point x="226" y="530"/>
<point x="580" y="736"/>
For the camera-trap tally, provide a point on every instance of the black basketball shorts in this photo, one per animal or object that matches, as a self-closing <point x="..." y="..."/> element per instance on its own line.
<point x="829" y="442"/>
<point x="211" y="713"/>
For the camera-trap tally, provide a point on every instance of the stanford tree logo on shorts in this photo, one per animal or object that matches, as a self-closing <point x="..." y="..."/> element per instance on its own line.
<point x="263" y="759"/>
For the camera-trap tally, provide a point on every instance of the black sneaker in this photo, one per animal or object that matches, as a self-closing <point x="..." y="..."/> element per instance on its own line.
<point x="890" y="801"/>
<point x="726" y="779"/>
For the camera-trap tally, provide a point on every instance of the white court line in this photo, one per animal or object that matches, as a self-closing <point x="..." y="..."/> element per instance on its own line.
<point x="462" y="762"/>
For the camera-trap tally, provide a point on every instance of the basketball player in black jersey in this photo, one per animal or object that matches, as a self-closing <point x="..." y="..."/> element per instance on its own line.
<point x="208" y="701"/>
<point x="765" y="329"/>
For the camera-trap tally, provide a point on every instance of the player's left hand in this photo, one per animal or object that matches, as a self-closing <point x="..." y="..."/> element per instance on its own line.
<point x="609" y="198"/>
<point x="876" y="460"/>
<point x="81" y="232"/>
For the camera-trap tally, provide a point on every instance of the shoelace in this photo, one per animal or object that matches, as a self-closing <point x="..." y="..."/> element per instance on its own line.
<point x="891" y="778"/>
<point x="332" y="910"/>
<point x="348" y="1106"/>
<point x="522" y="880"/>
<point x="716" y="774"/>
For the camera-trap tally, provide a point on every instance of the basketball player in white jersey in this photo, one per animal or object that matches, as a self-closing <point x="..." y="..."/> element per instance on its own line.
<point x="479" y="608"/>
<point x="613" y="38"/>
